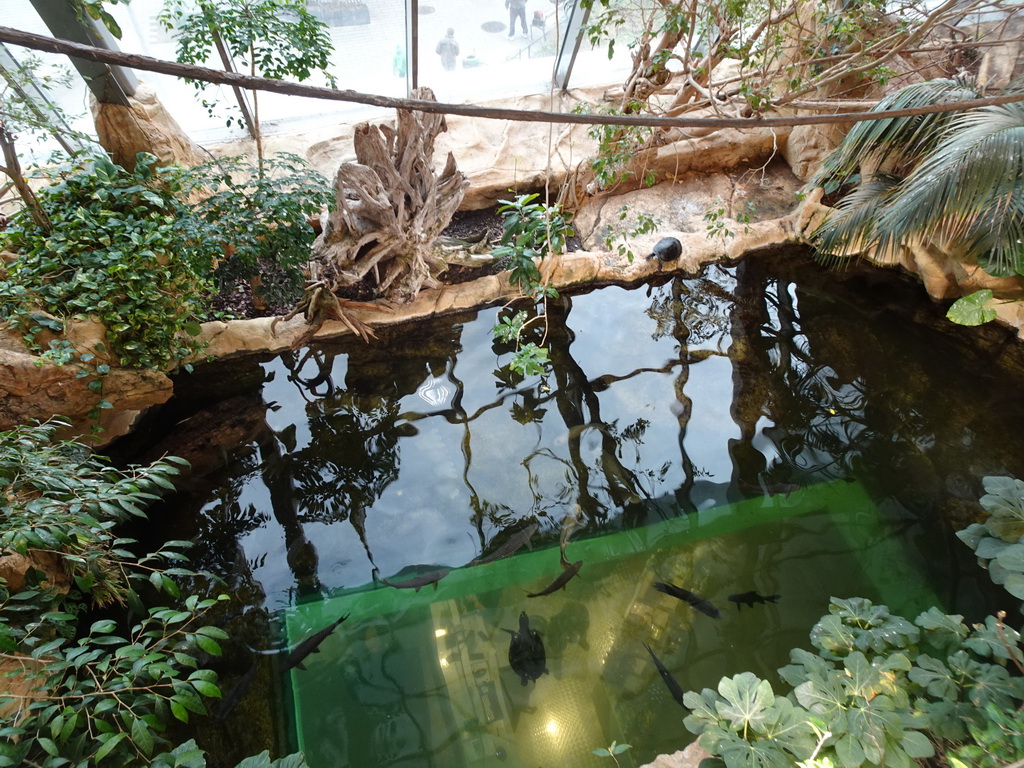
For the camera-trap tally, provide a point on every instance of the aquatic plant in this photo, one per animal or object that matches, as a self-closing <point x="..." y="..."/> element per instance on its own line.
<point x="882" y="690"/>
<point x="612" y="750"/>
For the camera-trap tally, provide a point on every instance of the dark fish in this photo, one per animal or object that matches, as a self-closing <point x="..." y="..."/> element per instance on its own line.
<point x="666" y="249"/>
<point x="512" y="544"/>
<point x="417" y="582"/>
<point x="670" y="682"/>
<point x="526" y="651"/>
<point x="698" y="602"/>
<point x="311" y="644"/>
<point x="563" y="578"/>
<point x="227" y="706"/>
<point x="749" y="598"/>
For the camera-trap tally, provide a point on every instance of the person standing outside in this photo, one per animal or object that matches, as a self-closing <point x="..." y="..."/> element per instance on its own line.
<point x="516" y="10"/>
<point x="448" y="49"/>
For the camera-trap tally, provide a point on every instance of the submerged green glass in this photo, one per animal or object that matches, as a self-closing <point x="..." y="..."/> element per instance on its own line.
<point x="424" y="677"/>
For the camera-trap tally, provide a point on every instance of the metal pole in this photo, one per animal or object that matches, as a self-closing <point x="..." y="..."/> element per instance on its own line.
<point x="570" y="44"/>
<point x="110" y="84"/>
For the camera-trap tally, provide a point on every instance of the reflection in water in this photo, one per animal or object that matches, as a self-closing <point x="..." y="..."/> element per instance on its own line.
<point x="668" y="409"/>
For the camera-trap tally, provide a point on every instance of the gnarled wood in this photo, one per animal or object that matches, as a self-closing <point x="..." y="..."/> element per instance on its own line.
<point x="391" y="208"/>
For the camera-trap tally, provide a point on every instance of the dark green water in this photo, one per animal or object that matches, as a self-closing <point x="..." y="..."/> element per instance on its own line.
<point x="766" y="427"/>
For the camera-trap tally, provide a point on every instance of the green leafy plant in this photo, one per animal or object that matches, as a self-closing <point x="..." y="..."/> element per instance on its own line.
<point x="20" y="111"/>
<point x="618" y="146"/>
<point x="532" y="230"/>
<point x="188" y="755"/>
<point x="104" y="693"/>
<point x="612" y="750"/>
<point x="255" y="226"/>
<point x="97" y="691"/>
<point x="1000" y="742"/>
<point x="716" y="221"/>
<point x="112" y="251"/>
<point x="880" y="690"/>
<point x="998" y="542"/>
<point x="645" y="224"/>
<point x="271" y="38"/>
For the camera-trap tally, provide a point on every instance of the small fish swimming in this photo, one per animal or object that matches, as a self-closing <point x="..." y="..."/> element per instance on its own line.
<point x="417" y="582"/>
<point x="701" y="604"/>
<point x="749" y="598"/>
<point x="569" y="524"/>
<point x="311" y="644"/>
<point x="512" y="544"/>
<point x="670" y="682"/>
<point x="568" y="572"/>
<point x="526" y="653"/>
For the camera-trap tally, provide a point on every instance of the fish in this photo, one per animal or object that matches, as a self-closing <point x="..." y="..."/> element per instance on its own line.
<point x="418" y="582"/>
<point x="569" y="524"/>
<point x="749" y="598"/>
<point x="311" y="644"/>
<point x="512" y="544"/>
<point x="670" y="682"/>
<point x="701" y="604"/>
<point x="228" y="704"/>
<point x="568" y="571"/>
<point x="526" y="653"/>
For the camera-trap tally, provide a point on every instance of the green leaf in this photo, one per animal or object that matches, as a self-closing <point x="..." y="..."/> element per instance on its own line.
<point x="208" y="644"/>
<point x="747" y="700"/>
<point x="104" y="626"/>
<point x="179" y="712"/>
<point x="142" y="736"/>
<point x="109" y="745"/>
<point x="206" y="688"/>
<point x="972" y="309"/>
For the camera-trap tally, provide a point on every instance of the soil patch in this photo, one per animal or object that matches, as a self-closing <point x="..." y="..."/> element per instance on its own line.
<point x="237" y="302"/>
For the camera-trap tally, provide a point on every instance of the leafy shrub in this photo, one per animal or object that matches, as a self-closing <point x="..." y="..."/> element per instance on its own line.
<point x="879" y="691"/>
<point x="999" y="541"/>
<point x="108" y="693"/>
<point x="113" y="252"/>
<point x="531" y="231"/>
<point x="141" y="251"/>
<point x="255" y="224"/>
<point x="105" y="694"/>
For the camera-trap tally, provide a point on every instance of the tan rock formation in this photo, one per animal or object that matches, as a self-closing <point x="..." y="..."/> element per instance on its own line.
<point x="32" y="388"/>
<point x="14" y="568"/>
<point x="19" y="684"/>
<point x="685" y="758"/>
<point x="143" y="126"/>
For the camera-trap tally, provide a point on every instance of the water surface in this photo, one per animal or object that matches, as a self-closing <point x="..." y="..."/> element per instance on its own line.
<point x="765" y="427"/>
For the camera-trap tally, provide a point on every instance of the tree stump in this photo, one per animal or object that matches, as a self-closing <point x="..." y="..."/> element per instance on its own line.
<point x="390" y="208"/>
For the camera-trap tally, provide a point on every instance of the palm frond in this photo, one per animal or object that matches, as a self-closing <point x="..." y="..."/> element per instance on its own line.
<point x="851" y="228"/>
<point x="968" y="190"/>
<point x="900" y="139"/>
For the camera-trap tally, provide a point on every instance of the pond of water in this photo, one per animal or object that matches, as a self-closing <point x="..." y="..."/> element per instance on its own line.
<point x="764" y="436"/>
